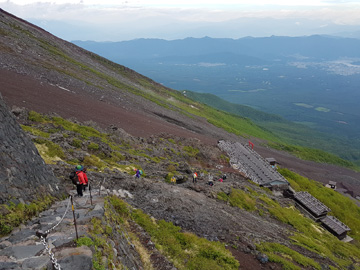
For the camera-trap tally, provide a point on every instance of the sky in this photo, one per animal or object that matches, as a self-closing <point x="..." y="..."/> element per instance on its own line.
<point x="119" y="20"/>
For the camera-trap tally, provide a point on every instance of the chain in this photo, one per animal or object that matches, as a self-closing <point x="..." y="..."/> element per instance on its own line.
<point x="67" y="209"/>
<point x="51" y="254"/>
<point x="43" y="235"/>
<point x="100" y="183"/>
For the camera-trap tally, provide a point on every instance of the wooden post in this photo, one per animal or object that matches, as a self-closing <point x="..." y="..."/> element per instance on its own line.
<point x="73" y="209"/>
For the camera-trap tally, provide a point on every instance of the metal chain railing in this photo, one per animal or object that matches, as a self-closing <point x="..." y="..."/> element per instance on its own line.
<point x="99" y="184"/>
<point x="67" y="209"/>
<point x="43" y="235"/>
<point x="51" y="254"/>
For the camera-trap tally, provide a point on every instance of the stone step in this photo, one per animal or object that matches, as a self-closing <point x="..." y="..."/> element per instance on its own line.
<point x="22" y="249"/>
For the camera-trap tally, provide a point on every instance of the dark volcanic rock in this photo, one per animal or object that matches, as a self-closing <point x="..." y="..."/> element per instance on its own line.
<point x="23" y="173"/>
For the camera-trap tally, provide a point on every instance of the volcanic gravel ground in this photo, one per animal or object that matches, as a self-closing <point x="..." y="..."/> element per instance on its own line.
<point x="141" y="118"/>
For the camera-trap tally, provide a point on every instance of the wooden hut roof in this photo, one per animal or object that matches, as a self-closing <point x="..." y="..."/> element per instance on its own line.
<point x="311" y="203"/>
<point x="334" y="224"/>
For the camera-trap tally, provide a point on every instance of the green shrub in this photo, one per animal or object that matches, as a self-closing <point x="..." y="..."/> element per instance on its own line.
<point x="17" y="214"/>
<point x="185" y="250"/>
<point x="172" y="141"/>
<point x="287" y="265"/>
<point x="242" y="200"/>
<point x="192" y="152"/>
<point x="286" y="252"/>
<point x="120" y="206"/>
<point x="93" y="146"/>
<point x="94" y="161"/>
<point x="35" y="131"/>
<point x="53" y="149"/>
<point x="222" y="196"/>
<point x="36" y="117"/>
<point x="76" y="143"/>
<point x="5" y="228"/>
<point x="117" y="156"/>
<point x="341" y="207"/>
<point x="84" y="241"/>
<point x="171" y="168"/>
<point x="85" y="131"/>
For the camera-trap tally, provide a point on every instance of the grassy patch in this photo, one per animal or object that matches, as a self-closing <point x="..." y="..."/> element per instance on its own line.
<point x="314" y="155"/>
<point x="239" y="198"/>
<point x="76" y="143"/>
<point x="286" y="256"/>
<point x="191" y="151"/>
<point x="185" y="250"/>
<point x="35" y="131"/>
<point x="49" y="151"/>
<point x="307" y="233"/>
<point x="37" y="117"/>
<point x="93" y="146"/>
<point x="17" y="214"/>
<point x="341" y="207"/>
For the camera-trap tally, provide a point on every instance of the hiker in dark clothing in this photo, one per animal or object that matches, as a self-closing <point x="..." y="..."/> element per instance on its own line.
<point x="80" y="181"/>
<point x="210" y="182"/>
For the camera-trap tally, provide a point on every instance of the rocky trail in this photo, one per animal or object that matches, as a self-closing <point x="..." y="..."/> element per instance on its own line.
<point x="23" y="249"/>
<point x="187" y="205"/>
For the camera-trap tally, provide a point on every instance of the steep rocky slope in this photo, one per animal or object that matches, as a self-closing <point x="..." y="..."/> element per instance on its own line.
<point x="21" y="167"/>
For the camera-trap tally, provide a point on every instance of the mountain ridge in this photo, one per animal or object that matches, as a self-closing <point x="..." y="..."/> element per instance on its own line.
<point x="46" y="71"/>
<point x="118" y="121"/>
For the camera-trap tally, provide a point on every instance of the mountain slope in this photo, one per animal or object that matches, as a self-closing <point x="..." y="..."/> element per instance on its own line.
<point x="48" y="75"/>
<point x="120" y="121"/>
<point x="289" y="132"/>
<point x="308" y="80"/>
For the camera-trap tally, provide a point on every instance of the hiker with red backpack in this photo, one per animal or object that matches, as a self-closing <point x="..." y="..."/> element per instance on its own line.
<point x="79" y="178"/>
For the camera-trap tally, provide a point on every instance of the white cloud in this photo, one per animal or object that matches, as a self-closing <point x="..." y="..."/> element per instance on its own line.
<point x="127" y="19"/>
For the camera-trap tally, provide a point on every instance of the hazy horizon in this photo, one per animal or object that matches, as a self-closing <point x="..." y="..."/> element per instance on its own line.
<point x="120" y="21"/>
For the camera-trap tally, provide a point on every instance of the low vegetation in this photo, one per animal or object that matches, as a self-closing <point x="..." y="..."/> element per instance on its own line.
<point x="183" y="249"/>
<point x="307" y="234"/>
<point x="239" y="198"/>
<point x="290" y="133"/>
<point x="314" y="155"/>
<point x="342" y="207"/>
<point x="285" y="256"/>
<point x="12" y="215"/>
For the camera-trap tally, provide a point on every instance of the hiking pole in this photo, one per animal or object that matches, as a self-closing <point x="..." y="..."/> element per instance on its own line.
<point x="90" y="193"/>
<point x="73" y="209"/>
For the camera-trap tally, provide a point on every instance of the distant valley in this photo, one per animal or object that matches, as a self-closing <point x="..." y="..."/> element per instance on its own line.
<point x="312" y="80"/>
